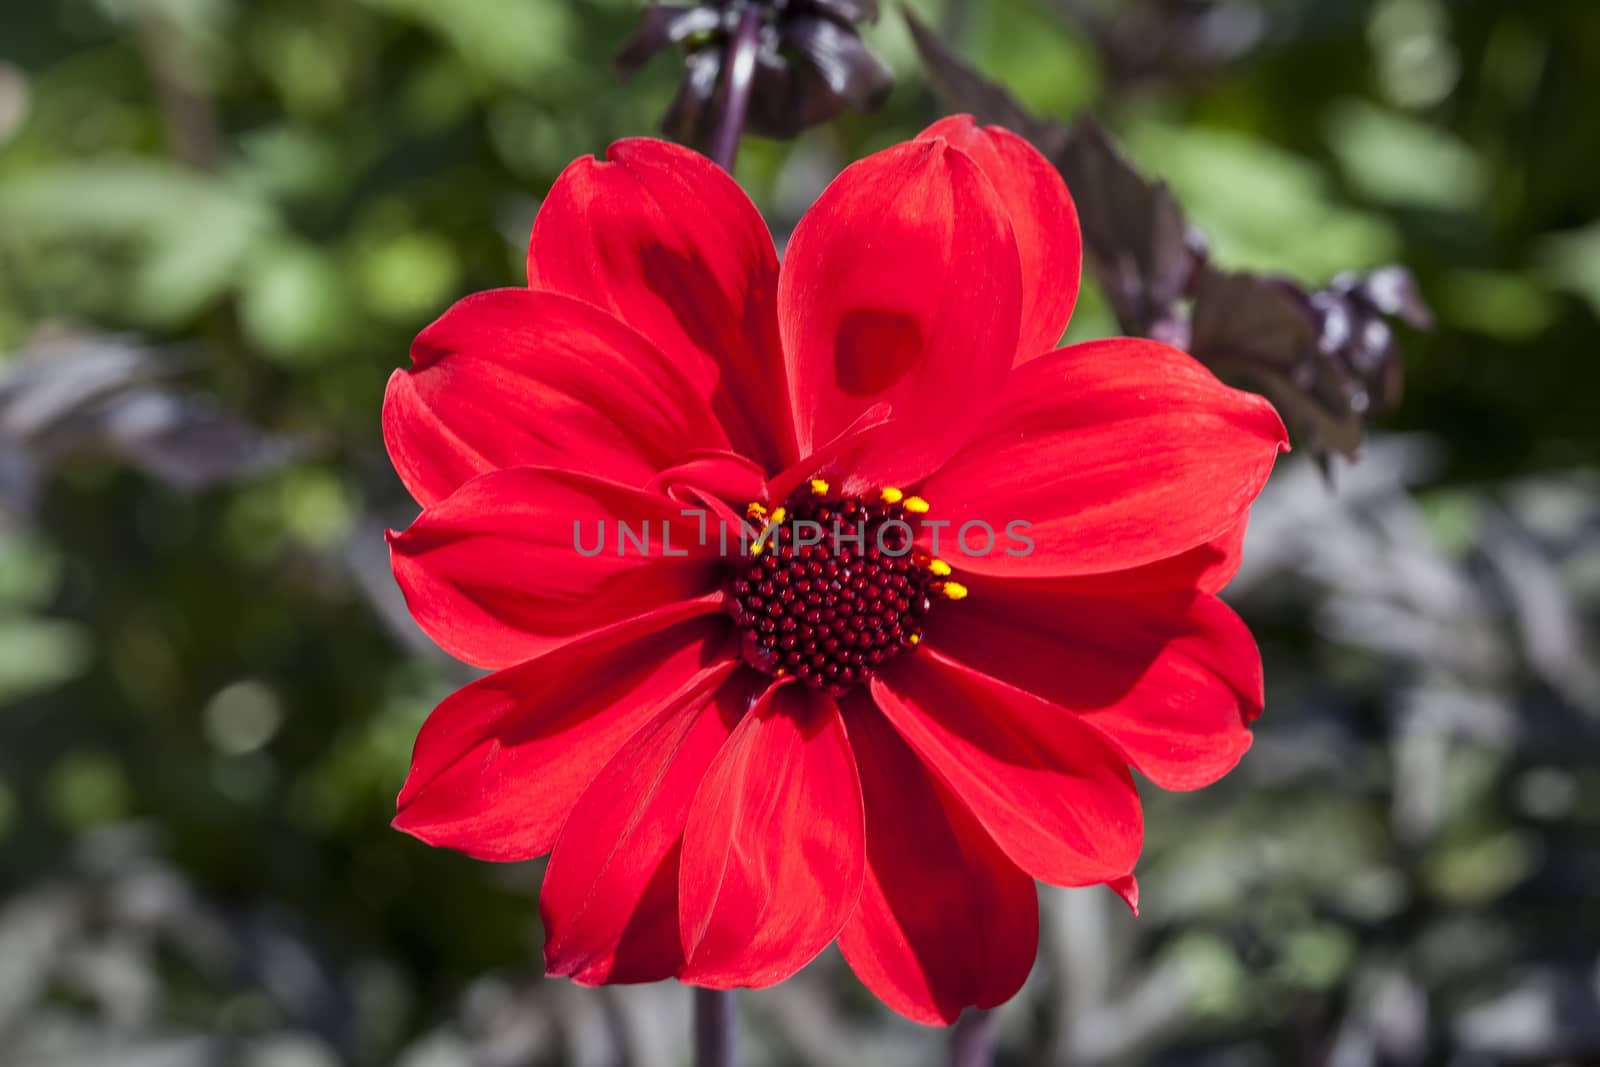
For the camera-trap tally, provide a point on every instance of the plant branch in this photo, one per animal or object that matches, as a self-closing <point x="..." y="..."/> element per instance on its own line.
<point x="972" y="1039"/>
<point x="739" y="71"/>
<point x="716" y="1028"/>
<point x="190" y="118"/>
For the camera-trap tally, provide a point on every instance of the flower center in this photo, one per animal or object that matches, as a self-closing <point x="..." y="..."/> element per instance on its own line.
<point x="833" y="587"/>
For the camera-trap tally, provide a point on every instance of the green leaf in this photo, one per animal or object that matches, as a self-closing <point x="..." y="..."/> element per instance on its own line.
<point x="1400" y="160"/>
<point x="37" y="655"/>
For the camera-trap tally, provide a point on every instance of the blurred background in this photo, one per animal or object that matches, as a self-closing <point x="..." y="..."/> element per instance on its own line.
<point x="221" y="223"/>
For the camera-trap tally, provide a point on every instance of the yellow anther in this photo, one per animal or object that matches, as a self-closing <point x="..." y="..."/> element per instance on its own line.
<point x="916" y="639"/>
<point x="819" y="487"/>
<point x="916" y="505"/>
<point x="892" y="495"/>
<point x="953" y="590"/>
<point x="758" y="548"/>
<point x="939" y="567"/>
<point x="755" y="510"/>
<point x="779" y="515"/>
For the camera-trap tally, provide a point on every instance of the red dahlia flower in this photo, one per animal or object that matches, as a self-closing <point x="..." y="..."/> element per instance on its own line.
<point x="738" y="757"/>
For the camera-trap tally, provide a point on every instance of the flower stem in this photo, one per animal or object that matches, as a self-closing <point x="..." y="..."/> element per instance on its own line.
<point x="716" y="1028"/>
<point x="972" y="1039"/>
<point x="739" y="70"/>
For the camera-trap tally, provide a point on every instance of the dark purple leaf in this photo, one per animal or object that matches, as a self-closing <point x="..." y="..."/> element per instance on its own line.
<point x="1134" y="233"/>
<point x="1244" y="318"/>
<point x="811" y="66"/>
<point x="189" y="441"/>
<point x="1328" y="359"/>
<point x="689" y="118"/>
<point x="1332" y="349"/>
<point x="964" y="89"/>
<point x="662" y="25"/>
<point x="79" y="394"/>
<point x="788" y="98"/>
<point x="851" y="72"/>
<point x="847" y="10"/>
<point x="19" y="484"/>
<point x="55" y="377"/>
<point x="1255" y="333"/>
<point x="1393" y="291"/>
<point x="814" y="70"/>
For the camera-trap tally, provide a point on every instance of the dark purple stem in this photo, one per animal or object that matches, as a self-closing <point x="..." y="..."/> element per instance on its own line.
<point x="972" y="1040"/>
<point x="716" y="1028"/>
<point x="739" y="72"/>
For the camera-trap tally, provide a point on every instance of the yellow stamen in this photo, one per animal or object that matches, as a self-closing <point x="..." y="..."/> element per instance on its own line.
<point x="939" y="567"/>
<point x="953" y="590"/>
<point x="892" y="495"/>
<point x="756" y="511"/>
<point x="916" y="639"/>
<point x="916" y="505"/>
<point x="769" y="523"/>
<point x="819" y="487"/>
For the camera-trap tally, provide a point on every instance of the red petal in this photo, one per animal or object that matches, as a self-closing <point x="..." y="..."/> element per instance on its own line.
<point x="1206" y="568"/>
<point x="945" y="919"/>
<point x="518" y="561"/>
<point x="1043" y="219"/>
<point x="1118" y="453"/>
<point x="862" y="459"/>
<point x="773" y="851"/>
<point x="1127" y="889"/>
<point x="610" y="895"/>
<point x="1053" y="795"/>
<point x="512" y="378"/>
<point x="1171" y="679"/>
<point x="500" y="763"/>
<point x="662" y="238"/>
<point x="720" y="474"/>
<point x="902" y="285"/>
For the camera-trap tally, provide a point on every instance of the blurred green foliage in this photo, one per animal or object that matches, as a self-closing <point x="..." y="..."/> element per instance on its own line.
<point x="285" y="192"/>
